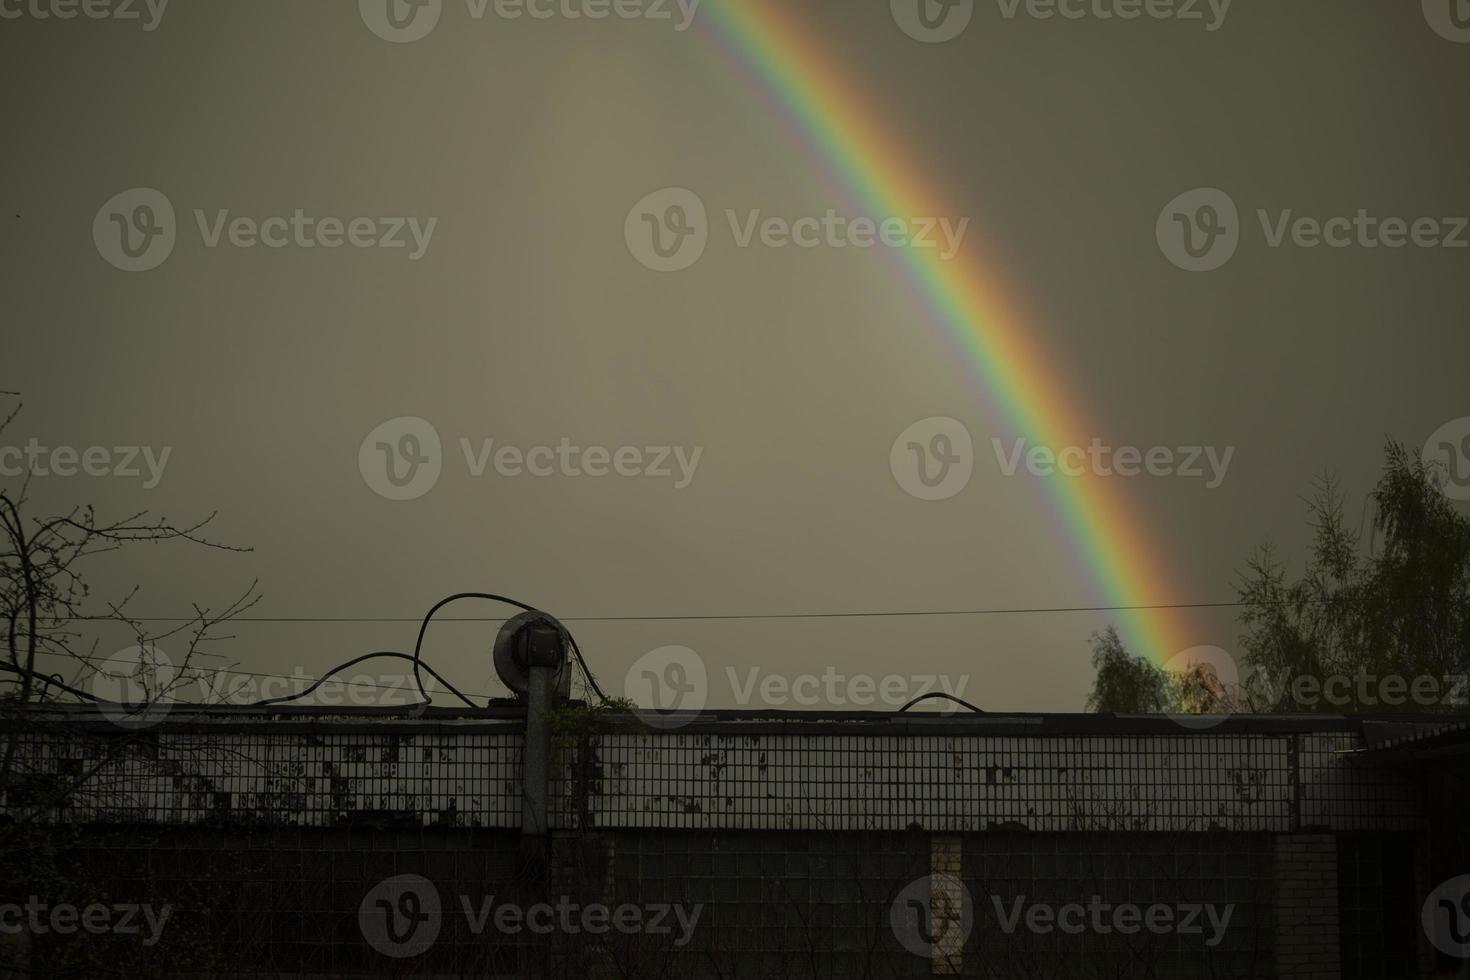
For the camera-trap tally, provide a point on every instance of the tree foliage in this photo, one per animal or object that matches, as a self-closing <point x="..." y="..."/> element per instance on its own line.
<point x="1126" y="684"/>
<point x="1374" y="623"/>
<point x="1362" y="612"/>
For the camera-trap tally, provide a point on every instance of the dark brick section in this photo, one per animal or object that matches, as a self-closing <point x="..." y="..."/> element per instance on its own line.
<point x="288" y="847"/>
<point x="275" y="902"/>
<point x="1307" y="939"/>
<point x="268" y="902"/>
<point x="1233" y="871"/>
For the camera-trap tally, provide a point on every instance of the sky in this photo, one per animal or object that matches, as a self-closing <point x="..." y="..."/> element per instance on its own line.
<point x="259" y="252"/>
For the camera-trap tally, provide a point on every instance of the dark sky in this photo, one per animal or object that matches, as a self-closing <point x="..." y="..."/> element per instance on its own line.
<point x="517" y="149"/>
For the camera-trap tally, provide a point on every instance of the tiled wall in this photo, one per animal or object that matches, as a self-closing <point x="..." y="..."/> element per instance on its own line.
<point x="940" y="783"/>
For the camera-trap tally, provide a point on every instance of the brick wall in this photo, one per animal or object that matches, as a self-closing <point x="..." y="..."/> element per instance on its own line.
<point x="1307" y="946"/>
<point x="946" y="866"/>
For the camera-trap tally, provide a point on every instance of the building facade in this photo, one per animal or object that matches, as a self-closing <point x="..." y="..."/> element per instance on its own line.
<point x="305" y="843"/>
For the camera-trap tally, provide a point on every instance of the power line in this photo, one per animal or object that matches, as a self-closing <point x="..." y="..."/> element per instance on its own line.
<point x="875" y="614"/>
<point x="712" y="617"/>
<point x="416" y="658"/>
<point x="191" y="668"/>
<point x="485" y="692"/>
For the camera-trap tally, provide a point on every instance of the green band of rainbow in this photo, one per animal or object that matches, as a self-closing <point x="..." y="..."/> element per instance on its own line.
<point x="832" y="116"/>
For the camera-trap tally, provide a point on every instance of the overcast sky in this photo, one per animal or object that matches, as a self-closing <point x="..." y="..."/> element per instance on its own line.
<point x="763" y="388"/>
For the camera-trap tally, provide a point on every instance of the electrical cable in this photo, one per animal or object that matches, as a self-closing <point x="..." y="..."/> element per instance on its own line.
<point x="731" y="617"/>
<point x="941" y="694"/>
<point x="493" y="597"/>
<point x="416" y="658"/>
<point x="424" y="628"/>
<point x="231" y="671"/>
<point x="586" y="671"/>
<point x="52" y="680"/>
<point x="357" y="660"/>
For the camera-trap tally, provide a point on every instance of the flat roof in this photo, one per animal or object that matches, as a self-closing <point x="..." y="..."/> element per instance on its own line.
<point x="1381" y="732"/>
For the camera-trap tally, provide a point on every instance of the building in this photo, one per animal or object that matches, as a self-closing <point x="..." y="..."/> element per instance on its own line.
<point x="301" y="842"/>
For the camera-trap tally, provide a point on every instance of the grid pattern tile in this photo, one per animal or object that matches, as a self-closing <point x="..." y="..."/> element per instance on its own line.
<point x="1193" y="782"/>
<point x="736" y="781"/>
<point x="1337" y="794"/>
<point x="782" y="904"/>
<point x="798" y="904"/>
<point x="256" y="778"/>
<point x="1377" y="907"/>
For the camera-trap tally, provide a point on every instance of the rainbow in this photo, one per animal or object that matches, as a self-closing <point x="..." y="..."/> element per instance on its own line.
<point x="833" y="120"/>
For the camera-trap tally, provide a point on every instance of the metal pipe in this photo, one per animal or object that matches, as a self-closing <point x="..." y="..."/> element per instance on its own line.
<point x="543" y="655"/>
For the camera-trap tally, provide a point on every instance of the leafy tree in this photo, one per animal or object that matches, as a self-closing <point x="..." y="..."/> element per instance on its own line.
<point x="1353" y="619"/>
<point x="1369" y="626"/>
<point x="1125" y="684"/>
<point x="48" y="610"/>
<point x="50" y="627"/>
